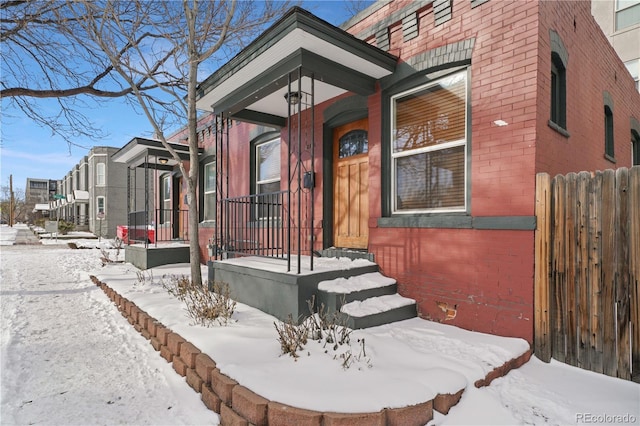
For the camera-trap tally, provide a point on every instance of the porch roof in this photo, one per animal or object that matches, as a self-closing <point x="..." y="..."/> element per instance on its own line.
<point x="140" y="151"/>
<point x="252" y="86"/>
<point x="41" y="207"/>
<point x="80" y="195"/>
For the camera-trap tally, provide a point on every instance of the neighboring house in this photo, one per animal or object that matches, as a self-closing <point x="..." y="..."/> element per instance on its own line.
<point x="155" y="216"/>
<point x="38" y="195"/>
<point x="411" y="135"/>
<point x="620" y="22"/>
<point x="93" y="195"/>
<point x="165" y="209"/>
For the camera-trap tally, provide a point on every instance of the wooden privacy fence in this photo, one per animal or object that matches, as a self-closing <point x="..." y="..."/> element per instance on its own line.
<point x="587" y="270"/>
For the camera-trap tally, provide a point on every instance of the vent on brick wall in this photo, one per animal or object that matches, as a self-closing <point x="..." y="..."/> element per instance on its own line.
<point x="410" y="27"/>
<point x="476" y="3"/>
<point x="382" y="39"/>
<point x="442" y="11"/>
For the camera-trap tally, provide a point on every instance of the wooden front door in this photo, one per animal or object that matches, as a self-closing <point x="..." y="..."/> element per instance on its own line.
<point x="351" y="185"/>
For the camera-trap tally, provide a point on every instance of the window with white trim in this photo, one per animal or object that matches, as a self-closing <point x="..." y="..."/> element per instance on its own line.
<point x="101" y="175"/>
<point x="268" y="175"/>
<point x="627" y="13"/>
<point x="100" y="205"/>
<point x="633" y="67"/>
<point x="165" y="213"/>
<point x="428" y="147"/>
<point x="268" y="167"/>
<point x="209" y="191"/>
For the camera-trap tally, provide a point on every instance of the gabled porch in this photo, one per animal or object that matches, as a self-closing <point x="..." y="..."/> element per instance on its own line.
<point x="156" y="232"/>
<point x="296" y="202"/>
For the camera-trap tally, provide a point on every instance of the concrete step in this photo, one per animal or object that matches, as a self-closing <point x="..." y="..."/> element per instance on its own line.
<point x="335" y="293"/>
<point x="378" y="310"/>
<point x="365" y="300"/>
<point x="350" y="253"/>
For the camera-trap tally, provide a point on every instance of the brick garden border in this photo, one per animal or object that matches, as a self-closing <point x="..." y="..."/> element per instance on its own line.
<point x="239" y="406"/>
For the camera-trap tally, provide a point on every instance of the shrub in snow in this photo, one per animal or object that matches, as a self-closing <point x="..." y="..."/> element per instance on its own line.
<point x="327" y="330"/>
<point x="105" y="258"/>
<point x="292" y="337"/>
<point x="64" y="227"/>
<point x="204" y="306"/>
<point x="145" y="277"/>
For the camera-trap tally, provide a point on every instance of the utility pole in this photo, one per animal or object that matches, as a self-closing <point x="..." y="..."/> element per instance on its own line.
<point x="12" y="200"/>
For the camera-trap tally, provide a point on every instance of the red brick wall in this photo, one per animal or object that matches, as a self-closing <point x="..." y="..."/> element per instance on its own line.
<point x="503" y="71"/>
<point x="487" y="275"/>
<point x="593" y="67"/>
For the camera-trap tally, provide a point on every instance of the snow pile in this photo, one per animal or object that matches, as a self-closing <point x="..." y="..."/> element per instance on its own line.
<point x="8" y="235"/>
<point x="357" y="283"/>
<point x="375" y="305"/>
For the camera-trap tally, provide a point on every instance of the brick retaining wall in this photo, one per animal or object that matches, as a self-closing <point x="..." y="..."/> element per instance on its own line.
<point x="238" y="405"/>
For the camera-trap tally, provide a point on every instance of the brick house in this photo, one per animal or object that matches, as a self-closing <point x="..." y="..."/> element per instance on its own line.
<point x="412" y="136"/>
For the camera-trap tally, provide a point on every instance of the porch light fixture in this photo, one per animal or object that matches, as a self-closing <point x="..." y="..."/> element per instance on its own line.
<point x="292" y="97"/>
<point x="163" y="160"/>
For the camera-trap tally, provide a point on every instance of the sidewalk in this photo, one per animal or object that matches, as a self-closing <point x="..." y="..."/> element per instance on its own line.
<point x="26" y="237"/>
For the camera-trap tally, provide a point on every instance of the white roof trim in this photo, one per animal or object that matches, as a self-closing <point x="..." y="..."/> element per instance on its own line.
<point x="289" y="44"/>
<point x="41" y="207"/>
<point x="80" y="195"/>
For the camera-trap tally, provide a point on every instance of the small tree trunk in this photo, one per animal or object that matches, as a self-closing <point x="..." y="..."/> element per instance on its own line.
<point x="194" y="165"/>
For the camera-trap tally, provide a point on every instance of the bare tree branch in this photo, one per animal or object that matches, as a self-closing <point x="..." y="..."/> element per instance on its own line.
<point x="148" y="52"/>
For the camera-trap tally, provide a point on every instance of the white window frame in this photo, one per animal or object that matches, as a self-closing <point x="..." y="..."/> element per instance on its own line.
<point x="211" y="192"/>
<point x="104" y="205"/>
<point x="277" y="140"/>
<point x="257" y="165"/>
<point x="101" y="174"/>
<point x="636" y="76"/>
<point x="620" y="9"/>
<point x="461" y="142"/>
<point x="165" y="194"/>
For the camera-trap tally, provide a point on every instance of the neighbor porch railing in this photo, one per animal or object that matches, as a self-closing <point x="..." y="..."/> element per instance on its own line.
<point x="171" y="225"/>
<point x="168" y="225"/>
<point x="254" y="225"/>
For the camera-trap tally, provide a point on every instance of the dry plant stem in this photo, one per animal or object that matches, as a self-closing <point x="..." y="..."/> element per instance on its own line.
<point x="204" y="307"/>
<point x="320" y="326"/>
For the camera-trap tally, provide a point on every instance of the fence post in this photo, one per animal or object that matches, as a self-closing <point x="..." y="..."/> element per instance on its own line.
<point x="611" y="242"/>
<point x="634" y="263"/>
<point x="622" y="295"/>
<point x="542" y="336"/>
<point x="557" y="274"/>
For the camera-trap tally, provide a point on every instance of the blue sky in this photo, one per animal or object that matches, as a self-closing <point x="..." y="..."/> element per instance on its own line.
<point x="30" y="151"/>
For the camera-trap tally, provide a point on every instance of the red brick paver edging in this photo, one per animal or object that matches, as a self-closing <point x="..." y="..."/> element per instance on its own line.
<point x="238" y="405"/>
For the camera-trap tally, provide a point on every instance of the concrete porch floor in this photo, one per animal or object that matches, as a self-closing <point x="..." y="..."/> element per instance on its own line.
<point x="265" y="283"/>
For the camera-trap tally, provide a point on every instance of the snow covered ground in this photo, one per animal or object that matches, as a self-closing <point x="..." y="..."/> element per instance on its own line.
<point x="68" y="357"/>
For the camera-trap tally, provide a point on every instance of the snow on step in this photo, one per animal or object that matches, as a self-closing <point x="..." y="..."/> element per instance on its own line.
<point x="375" y="305"/>
<point x="356" y="283"/>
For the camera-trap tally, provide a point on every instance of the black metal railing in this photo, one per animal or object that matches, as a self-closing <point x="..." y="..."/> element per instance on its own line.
<point x="168" y="225"/>
<point x="254" y="225"/>
<point x="138" y="228"/>
<point x="171" y="225"/>
<point x="78" y="220"/>
<point x="82" y="220"/>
